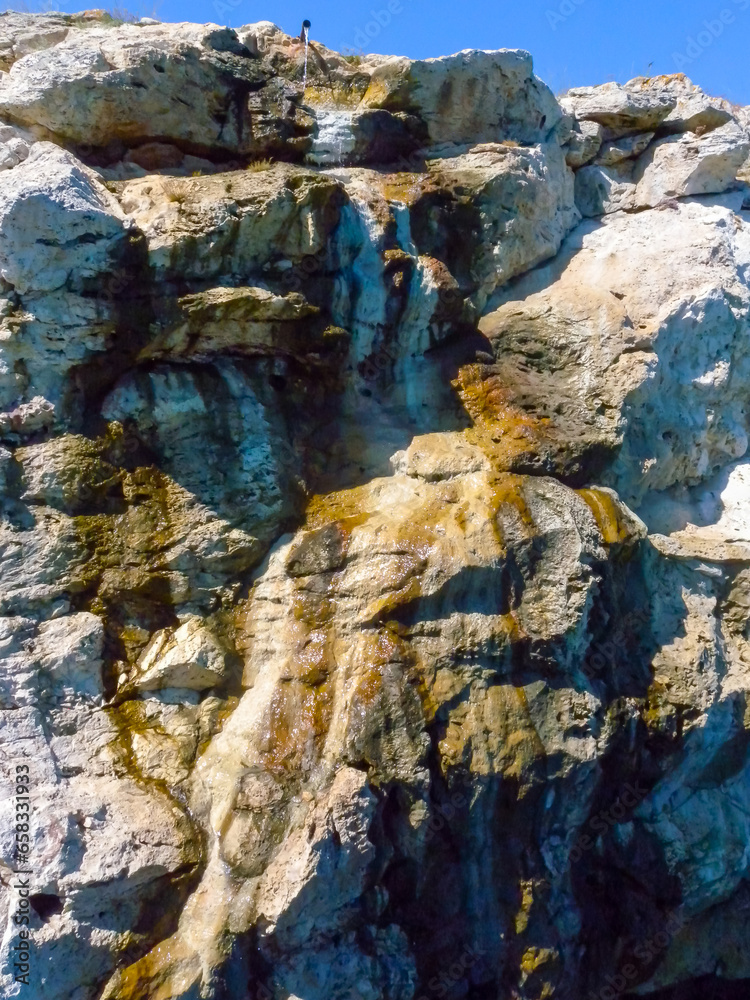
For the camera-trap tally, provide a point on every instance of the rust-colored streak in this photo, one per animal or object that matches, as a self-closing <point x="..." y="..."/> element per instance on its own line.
<point x="612" y="526"/>
<point x="504" y="431"/>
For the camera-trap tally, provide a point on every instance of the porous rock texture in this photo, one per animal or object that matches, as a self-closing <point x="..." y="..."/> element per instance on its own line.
<point x="375" y="540"/>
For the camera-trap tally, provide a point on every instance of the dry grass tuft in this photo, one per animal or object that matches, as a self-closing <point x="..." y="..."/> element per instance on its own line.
<point x="257" y="166"/>
<point x="174" y="191"/>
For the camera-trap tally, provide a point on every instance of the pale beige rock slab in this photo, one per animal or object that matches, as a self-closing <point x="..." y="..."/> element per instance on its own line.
<point x="188" y="658"/>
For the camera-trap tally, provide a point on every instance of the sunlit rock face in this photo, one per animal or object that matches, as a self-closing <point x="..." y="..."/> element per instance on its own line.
<point x="375" y="538"/>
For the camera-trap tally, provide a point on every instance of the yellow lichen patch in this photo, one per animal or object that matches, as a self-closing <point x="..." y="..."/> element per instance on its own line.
<point x="513" y="629"/>
<point x="404" y="187"/>
<point x="613" y="527"/>
<point x="503" y="431"/>
<point x="508" y="490"/>
<point x="374" y="653"/>
<point x="368" y="688"/>
<point x="492" y="733"/>
<point x="377" y="92"/>
<point x="347" y="506"/>
<point x="312" y="608"/>
<point x="128" y="719"/>
<point x="335" y="94"/>
<point x="410" y="547"/>
<point x="314" y="663"/>
<point x="659" y="714"/>
<point x="437" y="688"/>
<point x="539" y="962"/>
<point x="522" y="916"/>
<point x="137" y="731"/>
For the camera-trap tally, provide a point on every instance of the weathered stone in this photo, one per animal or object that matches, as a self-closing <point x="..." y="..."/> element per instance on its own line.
<point x="189" y="658"/>
<point x="694" y="110"/>
<point x="584" y="144"/>
<point x="665" y="333"/>
<point x="473" y="96"/>
<point x="374" y="543"/>
<point x="621" y="110"/>
<point x="57" y="221"/>
<point x="628" y="148"/>
<point x="602" y="190"/>
<point x="689" y="165"/>
<point x="186" y="84"/>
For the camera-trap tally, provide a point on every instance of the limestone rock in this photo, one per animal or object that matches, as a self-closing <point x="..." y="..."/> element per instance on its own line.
<point x="190" y="658"/>
<point x="244" y="101"/>
<point x="58" y="220"/>
<point x="67" y="473"/>
<point x="14" y="146"/>
<point x="473" y="96"/>
<point x="622" y="110"/>
<point x="311" y="678"/>
<point x="202" y="228"/>
<point x="584" y="143"/>
<point x="672" y="167"/>
<point x="187" y="84"/>
<point x="242" y="320"/>
<point x="657" y="311"/>
<point x="603" y="190"/>
<point x="628" y="148"/>
<point x="694" y="111"/>
<point x="374" y="533"/>
<point x="518" y="230"/>
<point x="676" y="167"/>
<point x="21" y="34"/>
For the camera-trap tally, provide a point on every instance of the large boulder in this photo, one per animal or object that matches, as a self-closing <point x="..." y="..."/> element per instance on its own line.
<point x="131" y="84"/>
<point x="631" y="356"/>
<point x="473" y="96"/>
<point x="57" y="221"/>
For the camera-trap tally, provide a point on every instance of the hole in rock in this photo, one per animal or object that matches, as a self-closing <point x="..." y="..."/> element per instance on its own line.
<point x="46" y="904"/>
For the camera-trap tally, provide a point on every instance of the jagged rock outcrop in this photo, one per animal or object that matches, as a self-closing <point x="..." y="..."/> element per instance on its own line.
<point x="375" y="538"/>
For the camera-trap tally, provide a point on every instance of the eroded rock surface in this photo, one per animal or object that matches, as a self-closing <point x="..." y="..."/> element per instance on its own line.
<point x="375" y="538"/>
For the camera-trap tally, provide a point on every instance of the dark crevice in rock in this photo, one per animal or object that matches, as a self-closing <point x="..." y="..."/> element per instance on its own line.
<point x="45" y="905"/>
<point x="128" y="295"/>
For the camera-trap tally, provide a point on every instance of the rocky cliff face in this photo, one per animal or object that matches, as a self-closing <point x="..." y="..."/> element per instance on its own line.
<point x="375" y="541"/>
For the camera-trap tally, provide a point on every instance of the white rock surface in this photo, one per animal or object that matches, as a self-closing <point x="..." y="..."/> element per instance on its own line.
<point x="57" y="221"/>
<point x="620" y="109"/>
<point x="326" y="633"/>
<point x="686" y="165"/>
<point x="188" y="658"/>
<point x="473" y="96"/>
<point x="132" y="83"/>
<point x="650" y="348"/>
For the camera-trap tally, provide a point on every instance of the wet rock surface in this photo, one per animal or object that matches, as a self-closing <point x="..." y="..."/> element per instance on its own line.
<point x="375" y="535"/>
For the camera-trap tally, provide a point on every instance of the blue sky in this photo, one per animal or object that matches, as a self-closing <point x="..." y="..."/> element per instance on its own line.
<point x="573" y="42"/>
